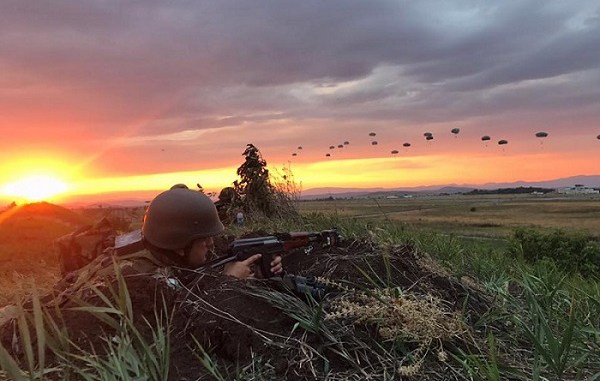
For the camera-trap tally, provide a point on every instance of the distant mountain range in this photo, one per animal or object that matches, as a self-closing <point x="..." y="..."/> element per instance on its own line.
<point x="131" y="200"/>
<point x="589" y="181"/>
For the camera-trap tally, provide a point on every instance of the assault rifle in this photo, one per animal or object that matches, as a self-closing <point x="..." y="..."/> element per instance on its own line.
<point x="273" y="245"/>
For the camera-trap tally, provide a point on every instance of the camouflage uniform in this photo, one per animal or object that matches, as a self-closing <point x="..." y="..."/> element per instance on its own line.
<point x="228" y="198"/>
<point x="104" y="269"/>
<point x="79" y="248"/>
<point x="150" y="287"/>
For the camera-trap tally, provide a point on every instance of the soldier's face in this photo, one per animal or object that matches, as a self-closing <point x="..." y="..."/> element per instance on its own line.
<point x="199" y="252"/>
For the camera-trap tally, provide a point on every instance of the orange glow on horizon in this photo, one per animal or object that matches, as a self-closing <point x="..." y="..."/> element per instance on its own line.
<point x="211" y="179"/>
<point x="35" y="179"/>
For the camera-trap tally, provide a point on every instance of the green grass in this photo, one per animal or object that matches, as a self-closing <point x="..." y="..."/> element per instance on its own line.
<point x="552" y="317"/>
<point x="129" y="355"/>
<point x="555" y="313"/>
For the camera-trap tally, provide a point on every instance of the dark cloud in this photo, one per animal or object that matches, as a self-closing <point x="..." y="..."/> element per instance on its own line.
<point x="157" y="68"/>
<point x="567" y="53"/>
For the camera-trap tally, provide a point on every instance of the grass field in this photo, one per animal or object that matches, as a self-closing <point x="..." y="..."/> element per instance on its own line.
<point x="553" y="312"/>
<point x="493" y="216"/>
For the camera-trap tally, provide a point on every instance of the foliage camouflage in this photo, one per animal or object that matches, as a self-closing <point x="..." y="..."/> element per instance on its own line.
<point x="256" y="194"/>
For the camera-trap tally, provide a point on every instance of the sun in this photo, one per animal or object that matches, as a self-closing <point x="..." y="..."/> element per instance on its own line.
<point x="35" y="188"/>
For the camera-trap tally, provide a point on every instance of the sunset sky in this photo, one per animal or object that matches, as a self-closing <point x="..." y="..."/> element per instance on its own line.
<point x="135" y="96"/>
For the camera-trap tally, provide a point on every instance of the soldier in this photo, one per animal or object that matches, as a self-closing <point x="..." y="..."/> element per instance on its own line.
<point x="178" y="230"/>
<point x="228" y="198"/>
<point x="177" y="234"/>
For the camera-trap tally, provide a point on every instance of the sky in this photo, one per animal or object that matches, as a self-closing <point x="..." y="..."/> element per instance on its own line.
<point x="105" y="96"/>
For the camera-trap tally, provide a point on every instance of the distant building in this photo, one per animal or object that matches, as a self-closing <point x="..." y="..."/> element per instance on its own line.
<point x="392" y="197"/>
<point x="578" y="189"/>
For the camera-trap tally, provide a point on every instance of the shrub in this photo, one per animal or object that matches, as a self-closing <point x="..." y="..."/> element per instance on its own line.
<point x="258" y="194"/>
<point x="574" y="252"/>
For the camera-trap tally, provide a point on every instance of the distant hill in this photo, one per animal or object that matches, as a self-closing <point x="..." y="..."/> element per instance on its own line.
<point x="454" y="190"/>
<point x="589" y="181"/>
<point x="314" y="193"/>
<point x="42" y="210"/>
<point x="116" y="203"/>
<point x="518" y="190"/>
<point x="136" y="200"/>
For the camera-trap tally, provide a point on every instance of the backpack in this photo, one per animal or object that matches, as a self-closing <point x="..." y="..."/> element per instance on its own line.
<point x="77" y="249"/>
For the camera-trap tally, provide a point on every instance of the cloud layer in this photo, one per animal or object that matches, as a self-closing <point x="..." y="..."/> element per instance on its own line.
<point x="185" y="84"/>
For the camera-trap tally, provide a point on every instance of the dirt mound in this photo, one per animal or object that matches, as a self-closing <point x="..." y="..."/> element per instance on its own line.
<point x="239" y="322"/>
<point x="263" y="329"/>
<point x="362" y="263"/>
<point x="42" y="210"/>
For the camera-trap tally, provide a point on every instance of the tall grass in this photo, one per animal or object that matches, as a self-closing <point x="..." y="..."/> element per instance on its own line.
<point x="543" y="323"/>
<point x="554" y="312"/>
<point x="128" y="354"/>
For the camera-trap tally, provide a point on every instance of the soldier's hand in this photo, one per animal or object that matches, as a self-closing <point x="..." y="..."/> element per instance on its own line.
<point x="276" y="266"/>
<point x="242" y="269"/>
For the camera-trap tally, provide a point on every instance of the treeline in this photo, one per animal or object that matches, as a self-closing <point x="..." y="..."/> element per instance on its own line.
<point x="519" y="190"/>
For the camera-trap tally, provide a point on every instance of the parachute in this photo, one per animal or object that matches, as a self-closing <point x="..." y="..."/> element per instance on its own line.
<point x="372" y="134"/>
<point x="406" y="144"/>
<point x="340" y="146"/>
<point x="374" y="143"/>
<point x="426" y="134"/>
<point x="294" y="154"/>
<point x="502" y="142"/>
<point x="394" y="152"/>
<point x="328" y="154"/>
<point x="299" y="147"/>
<point x="541" y="135"/>
<point x="455" y="131"/>
<point x="598" y="137"/>
<point x="331" y="147"/>
<point x="429" y="137"/>
<point x="485" y="138"/>
<point x="346" y="143"/>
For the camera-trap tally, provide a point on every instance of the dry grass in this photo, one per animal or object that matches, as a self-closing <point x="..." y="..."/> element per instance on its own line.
<point x="26" y="244"/>
<point x="418" y="319"/>
<point x="26" y="254"/>
<point x="477" y="215"/>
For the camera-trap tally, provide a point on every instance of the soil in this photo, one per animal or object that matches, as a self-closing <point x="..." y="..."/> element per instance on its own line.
<point x="218" y="314"/>
<point x="399" y="266"/>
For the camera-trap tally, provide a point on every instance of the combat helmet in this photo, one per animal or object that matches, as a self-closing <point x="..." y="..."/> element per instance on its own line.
<point x="178" y="216"/>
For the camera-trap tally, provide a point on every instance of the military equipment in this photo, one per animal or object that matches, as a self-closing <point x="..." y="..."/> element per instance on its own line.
<point x="304" y="286"/>
<point x="77" y="249"/>
<point x="129" y="243"/>
<point x="82" y="246"/>
<point x="274" y="245"/>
